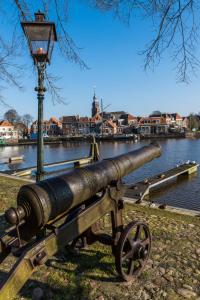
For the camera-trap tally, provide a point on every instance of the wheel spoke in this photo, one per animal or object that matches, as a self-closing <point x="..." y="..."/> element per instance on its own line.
<point x="128" y="255"/>
<point x="138" y="232"/>
<point x="141" y="261"/>
<point x="145" y="242"/>
<point x="131" y="267"/>
<point x="130" y="241"/>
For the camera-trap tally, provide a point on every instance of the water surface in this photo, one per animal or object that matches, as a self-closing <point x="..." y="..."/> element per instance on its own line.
<point x="185" y="193"/>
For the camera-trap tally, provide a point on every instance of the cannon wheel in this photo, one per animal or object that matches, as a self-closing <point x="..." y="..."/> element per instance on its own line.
<point x="133" y="250"/>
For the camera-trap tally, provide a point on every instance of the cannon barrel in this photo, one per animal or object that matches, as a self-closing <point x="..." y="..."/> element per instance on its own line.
<point x="42" y="202"/>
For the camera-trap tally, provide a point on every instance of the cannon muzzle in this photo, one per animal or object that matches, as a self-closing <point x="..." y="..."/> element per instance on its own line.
<point x="42" y="202"/>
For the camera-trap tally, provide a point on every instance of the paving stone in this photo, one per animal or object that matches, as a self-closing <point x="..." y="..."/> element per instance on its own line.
<point x="187" y="294"/>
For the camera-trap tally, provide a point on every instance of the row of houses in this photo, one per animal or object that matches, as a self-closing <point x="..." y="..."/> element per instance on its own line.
<point x="120" y="122"/>
<point x="106" y="123"/>
<point x="100" y="123"/>
<point x="18" y="130"/>
<point x="163" y="123"/>
<point x="124" y="123"/>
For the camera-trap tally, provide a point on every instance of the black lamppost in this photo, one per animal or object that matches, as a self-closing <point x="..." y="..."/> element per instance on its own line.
<point x="41" y="36"/>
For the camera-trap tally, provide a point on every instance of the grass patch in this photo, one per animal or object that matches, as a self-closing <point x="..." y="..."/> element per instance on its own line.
<point x="91" y="273"/>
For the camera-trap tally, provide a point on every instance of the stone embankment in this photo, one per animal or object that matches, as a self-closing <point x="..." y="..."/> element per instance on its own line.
<point x="81" y="138"/>
<point x="193" y="134"/>
<point x="173" y="271"/>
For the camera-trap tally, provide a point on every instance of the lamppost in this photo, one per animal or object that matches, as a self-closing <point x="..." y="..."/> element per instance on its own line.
<point x="41" y="36"/>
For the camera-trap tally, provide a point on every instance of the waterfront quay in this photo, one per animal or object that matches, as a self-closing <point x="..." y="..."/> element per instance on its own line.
<point x="88" y="138"/>
<point x="172" y="271"/>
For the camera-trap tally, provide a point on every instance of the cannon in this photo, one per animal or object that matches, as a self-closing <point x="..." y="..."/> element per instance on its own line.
<point x="65" y="210"/>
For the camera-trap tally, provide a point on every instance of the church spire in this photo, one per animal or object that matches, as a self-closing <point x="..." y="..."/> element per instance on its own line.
<point x="95" y="105"/>
<point x="94" y="97"/>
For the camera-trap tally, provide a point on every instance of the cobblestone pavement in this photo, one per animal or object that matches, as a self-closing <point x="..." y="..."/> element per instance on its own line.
<point x="173" y="271"/>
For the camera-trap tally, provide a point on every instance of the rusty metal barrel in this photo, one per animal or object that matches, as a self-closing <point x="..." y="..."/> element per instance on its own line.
<point x="42" y="202"/>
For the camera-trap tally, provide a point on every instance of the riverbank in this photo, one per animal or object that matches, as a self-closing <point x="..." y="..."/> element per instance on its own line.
<point x="173" y="272"/>
<point x="195" y="135"/>
<point x="110" y="138"/>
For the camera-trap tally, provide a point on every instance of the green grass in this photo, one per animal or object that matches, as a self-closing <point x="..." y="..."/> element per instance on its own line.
<point x="91" y="273"/>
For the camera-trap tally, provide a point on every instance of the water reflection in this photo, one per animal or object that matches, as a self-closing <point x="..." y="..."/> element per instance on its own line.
<point x="175" y="151"/>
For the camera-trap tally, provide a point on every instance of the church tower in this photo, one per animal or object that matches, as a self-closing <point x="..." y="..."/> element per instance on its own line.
<point x="95" y="106"/>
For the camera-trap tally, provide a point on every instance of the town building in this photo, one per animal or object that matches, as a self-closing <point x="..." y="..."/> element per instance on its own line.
<point x="76" y="125"/>
<point x="129" y="120"/>
<point x="115" y="116"/>
<point x="69" y="125"/>
<point x="153" y="125"/>
<point x="160" y="123"/>
<point x="108" y="127"/>
<point x="185" y="123"/>
<point x="176" y="120"/>
<point x="54" y="127"/>
<point x="51" y="127"/>
<point x="7" y="131"/>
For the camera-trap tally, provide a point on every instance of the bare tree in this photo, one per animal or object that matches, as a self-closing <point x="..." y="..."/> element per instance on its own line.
<point x="174" y="23"/>
<point x="176" y="26"/>
<point x="9" y="70"/>
<point x="27" y="119"/>
<point x="194" y="121"/>
<point x="12" y="116"/>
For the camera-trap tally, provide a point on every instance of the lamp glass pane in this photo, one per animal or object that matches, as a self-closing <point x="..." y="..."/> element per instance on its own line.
<point x="39" y="47"/>
<point x="41" y="38"/>
<point x="38" y="32"/>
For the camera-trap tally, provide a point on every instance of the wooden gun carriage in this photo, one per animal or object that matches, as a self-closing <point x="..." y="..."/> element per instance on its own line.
<point x="62" y="210"/>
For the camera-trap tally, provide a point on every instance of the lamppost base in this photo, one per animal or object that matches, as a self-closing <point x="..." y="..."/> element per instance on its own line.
<point x="39" y="176"/>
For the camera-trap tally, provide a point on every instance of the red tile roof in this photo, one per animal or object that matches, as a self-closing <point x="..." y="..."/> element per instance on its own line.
<point x="131" y="117"/>
<point x="84" y="119"/>
<point x="5" y="123"/>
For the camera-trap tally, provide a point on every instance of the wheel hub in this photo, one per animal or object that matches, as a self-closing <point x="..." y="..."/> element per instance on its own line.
<point x="142" y="252"/>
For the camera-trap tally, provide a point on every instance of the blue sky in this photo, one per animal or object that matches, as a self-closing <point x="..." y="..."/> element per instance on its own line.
<point x="110" y="48"/>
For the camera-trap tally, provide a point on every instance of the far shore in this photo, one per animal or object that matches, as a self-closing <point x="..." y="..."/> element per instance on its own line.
<point x="61" y="139"/>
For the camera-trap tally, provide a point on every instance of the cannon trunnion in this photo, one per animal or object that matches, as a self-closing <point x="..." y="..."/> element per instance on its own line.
<point x="65" y="211"/>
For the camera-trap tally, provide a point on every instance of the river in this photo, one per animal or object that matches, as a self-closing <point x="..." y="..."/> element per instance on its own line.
<point x="184" y="193"/>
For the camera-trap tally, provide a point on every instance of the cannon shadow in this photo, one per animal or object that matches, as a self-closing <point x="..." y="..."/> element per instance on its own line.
<point x="87" y="260"/>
